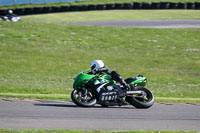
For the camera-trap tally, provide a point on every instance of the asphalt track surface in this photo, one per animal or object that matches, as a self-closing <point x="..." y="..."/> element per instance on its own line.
<point x="66" y="115"/>
<point x="144" y="23"/>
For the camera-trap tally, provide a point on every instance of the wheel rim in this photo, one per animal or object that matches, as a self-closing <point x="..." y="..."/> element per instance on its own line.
<point x="84" y="97"/>
<point x="145" y="97"/>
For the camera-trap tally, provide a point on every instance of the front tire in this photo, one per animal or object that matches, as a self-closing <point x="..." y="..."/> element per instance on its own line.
<point x="83" y="100"/>
<point x="141" y="101"/>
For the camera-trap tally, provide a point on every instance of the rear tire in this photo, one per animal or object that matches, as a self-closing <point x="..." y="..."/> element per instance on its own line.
<point x="141" y="102"/>
<point x="81" y="101"/>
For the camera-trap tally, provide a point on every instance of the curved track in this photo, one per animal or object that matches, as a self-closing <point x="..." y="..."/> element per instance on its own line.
<point x="144" y="23"/>
<point x="66" y="115"/>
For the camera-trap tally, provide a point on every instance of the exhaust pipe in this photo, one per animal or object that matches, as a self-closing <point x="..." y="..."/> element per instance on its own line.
<point x="134" y="92"/>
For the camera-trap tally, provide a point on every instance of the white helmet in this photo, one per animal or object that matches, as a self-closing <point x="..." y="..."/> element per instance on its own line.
<point x="96" y="65"/>
<point x="10" y="11"/>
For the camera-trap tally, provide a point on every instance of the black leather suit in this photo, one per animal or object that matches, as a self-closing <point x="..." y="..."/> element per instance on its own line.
<point x="115" y="76"/>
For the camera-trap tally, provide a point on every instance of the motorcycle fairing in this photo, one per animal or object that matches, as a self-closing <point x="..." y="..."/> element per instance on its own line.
<point x="136" y="81"/>
<point x="81" y="79"/>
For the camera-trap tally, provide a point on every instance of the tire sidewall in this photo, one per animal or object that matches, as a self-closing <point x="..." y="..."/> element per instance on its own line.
<point x="81" y="104"/>
<point x="139" y="104"/>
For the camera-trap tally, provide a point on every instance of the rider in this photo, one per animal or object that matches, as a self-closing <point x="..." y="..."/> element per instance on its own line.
<point x="97" y="67"/>
<point x="10" y="14"/>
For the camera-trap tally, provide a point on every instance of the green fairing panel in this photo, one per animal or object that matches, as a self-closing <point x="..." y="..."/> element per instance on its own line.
<point x="140" y="81"/>
<point x="106" y="78"/>
<point x="81" y="79"/>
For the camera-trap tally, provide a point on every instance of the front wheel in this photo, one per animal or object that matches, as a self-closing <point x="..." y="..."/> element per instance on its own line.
<point x="83" y="98"/>
<point x="144" y="100"/>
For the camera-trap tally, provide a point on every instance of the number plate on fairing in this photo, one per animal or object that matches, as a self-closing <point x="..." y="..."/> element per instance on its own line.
<point x="108" y="96"/>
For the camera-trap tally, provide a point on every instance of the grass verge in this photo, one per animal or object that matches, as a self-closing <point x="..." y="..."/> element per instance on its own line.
<point x="84" y="131"/>
<point x="113" y="15"/>
<point x="37" y="96"/>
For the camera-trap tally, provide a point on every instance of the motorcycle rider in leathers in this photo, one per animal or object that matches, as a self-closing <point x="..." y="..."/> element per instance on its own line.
<point x="97" y="67"/>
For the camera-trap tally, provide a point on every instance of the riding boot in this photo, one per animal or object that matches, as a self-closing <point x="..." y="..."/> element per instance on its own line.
<point x="115" y="75"/>
<point x="125" y="85"/>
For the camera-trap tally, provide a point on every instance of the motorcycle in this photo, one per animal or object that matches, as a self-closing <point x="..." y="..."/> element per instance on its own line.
<point x="11" y="18"/>
<point x="90" y="90"/>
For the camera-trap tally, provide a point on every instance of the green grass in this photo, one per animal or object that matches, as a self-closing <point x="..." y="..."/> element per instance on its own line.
<point x="37" y="58"/>
<point x="113" y="15"/>
<point x="84" y="131"/>
<point x="62" y="97"/>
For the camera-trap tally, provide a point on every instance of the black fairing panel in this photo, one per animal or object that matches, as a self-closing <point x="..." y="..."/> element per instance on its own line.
<point x="91" y="83"/>
<point x="129" y="80"/>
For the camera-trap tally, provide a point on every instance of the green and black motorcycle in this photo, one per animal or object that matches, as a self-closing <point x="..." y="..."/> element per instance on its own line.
<point x="90" y="90"/>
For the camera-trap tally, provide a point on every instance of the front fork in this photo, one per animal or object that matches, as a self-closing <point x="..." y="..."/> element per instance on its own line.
<point x="84" y="94"/>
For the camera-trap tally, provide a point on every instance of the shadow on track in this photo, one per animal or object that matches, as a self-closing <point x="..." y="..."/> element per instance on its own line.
<point x="75" y="106"/>
<point x="55" y="105"/>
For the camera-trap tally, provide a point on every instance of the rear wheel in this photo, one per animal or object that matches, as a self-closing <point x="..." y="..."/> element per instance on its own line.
<point x="83" y="98"/>
<point x="143" y="100"/>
